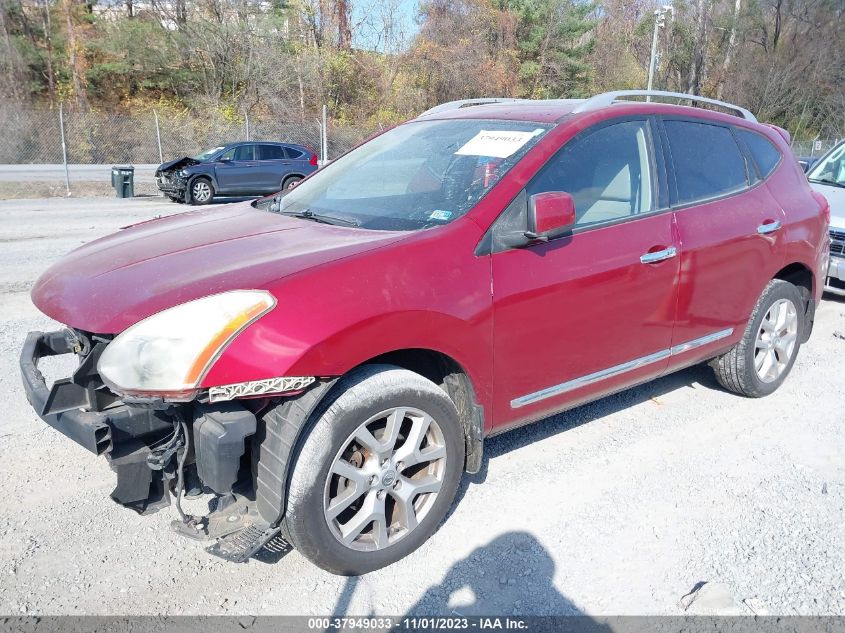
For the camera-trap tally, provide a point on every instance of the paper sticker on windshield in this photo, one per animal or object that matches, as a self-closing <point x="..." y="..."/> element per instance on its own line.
<point x="496" y="143"/>
<point x="440" y="214"/>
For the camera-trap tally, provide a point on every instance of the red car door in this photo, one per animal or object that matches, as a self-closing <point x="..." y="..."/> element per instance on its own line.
<point x="728" y="231"/>
<point x="593" y="311"/>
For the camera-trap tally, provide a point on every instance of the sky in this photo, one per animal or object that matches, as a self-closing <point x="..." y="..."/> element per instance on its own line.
<point x="368" y="16"/>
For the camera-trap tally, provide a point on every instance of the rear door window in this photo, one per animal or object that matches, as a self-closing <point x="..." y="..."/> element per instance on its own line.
<point x="707" y="161"/>
<point x="271" y="152"/>
<point x="293" y="153"/>
<point x="763" y="151"/>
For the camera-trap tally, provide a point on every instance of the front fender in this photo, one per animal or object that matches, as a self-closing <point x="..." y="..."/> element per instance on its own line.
<point x="430" y="292"/>
<point x="204" y="174"/>
<point x="266" y="352"/>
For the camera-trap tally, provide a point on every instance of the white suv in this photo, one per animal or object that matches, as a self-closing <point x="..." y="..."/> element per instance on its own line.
<point x="828" y="178"/>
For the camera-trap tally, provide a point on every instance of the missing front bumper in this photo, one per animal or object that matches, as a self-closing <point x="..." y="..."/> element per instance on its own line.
<point x="84" y="410"/>
<point x="63" y="406"/>
<point x="138" y="437"/>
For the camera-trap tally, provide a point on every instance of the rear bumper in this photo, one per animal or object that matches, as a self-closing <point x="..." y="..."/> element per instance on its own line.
<point x="835" y="275"/>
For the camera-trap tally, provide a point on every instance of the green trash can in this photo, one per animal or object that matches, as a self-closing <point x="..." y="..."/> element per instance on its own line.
<point x="123" y="180"/>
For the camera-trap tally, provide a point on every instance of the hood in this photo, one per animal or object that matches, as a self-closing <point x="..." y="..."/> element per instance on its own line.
<point x="836" y="199"/>
<point x="179" y="163"/>
<point x="114" y="282"/>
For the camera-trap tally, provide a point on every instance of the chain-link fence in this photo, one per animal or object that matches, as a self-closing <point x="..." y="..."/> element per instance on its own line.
<point x="813" y="148"/>
<point x="34" y="135"/>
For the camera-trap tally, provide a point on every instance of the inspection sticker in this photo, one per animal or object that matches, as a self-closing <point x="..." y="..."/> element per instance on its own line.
<point x="440" y="214"/>
<point x="496" y="143"/>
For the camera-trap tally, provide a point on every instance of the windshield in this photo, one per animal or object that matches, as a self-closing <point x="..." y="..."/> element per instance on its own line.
<point x="830" y="170"/>
<point x="208" y="153"/>
<point x="418" y="175"/>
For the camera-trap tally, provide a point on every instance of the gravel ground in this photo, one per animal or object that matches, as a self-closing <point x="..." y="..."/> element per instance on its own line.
<point x="618" y="507"/>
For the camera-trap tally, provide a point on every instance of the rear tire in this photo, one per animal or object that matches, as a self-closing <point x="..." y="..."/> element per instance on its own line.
<point x="290" y="181"/>
<point x="404" y="472"/>
<point x="763" y="358"/>
<point x="202" y="191"/>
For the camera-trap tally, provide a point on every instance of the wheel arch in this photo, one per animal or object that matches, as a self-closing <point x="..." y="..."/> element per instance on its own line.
<point x="284" y="424"/>
<point x="208" y="176"/>
<point x="798" y="274"/>
<point x="445" y="371"/>
<point x="801" y="276"/>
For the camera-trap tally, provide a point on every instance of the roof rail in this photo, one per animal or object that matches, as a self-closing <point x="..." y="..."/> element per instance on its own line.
<point x="462" y="103"/>
<point x="605" y="99"/>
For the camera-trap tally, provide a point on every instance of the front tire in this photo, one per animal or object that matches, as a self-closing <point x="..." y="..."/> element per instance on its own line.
<point x="763" y="358"/>
<point x="202" y="191"/>
<point x="376" y="473"/>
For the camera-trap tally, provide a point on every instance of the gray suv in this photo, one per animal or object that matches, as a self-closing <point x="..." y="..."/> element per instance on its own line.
<point x="238" y="169"/>
<point x="827" y="177"/>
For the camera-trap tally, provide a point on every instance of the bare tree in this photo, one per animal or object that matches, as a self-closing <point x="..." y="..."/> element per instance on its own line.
<point x="76" y="51"/>
<point x="729" y="51"/>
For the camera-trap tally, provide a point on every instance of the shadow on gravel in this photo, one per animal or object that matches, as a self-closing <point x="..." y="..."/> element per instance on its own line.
<point x="701" y="375"/>
<point x="511" y="575"/>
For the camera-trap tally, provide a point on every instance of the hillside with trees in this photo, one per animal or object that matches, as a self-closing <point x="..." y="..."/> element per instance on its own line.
<point x="783" y="59"/>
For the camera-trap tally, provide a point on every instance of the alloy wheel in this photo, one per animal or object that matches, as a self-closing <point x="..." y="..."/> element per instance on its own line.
<point x="201" y="191"/>
<point x="385" y="479"/>
<point x="776" y="340"/>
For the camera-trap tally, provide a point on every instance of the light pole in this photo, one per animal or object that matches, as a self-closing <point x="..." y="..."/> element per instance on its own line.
<point x="659" y="21"/>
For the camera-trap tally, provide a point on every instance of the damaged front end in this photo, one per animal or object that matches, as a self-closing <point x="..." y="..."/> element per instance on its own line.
<point x="158" y="448"/>
<point x="171" y="179"/>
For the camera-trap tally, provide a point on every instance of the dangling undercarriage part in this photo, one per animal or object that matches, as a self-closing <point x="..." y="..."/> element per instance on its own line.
<point x="238" y="450"/>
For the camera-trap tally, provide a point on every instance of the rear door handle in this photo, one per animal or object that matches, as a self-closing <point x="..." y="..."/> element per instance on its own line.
<point x="769" y="227"/>
<point x="659" y="256"/>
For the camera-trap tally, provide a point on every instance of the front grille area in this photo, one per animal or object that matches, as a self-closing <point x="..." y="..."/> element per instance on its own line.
<point x="837" y="243"/>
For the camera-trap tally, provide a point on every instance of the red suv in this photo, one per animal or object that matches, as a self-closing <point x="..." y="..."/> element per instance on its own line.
<point x="328" y="361"/>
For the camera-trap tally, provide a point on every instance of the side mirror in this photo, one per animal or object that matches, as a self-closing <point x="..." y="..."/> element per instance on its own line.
<point x="224" y="159"/>
<point x="550" y="214"/>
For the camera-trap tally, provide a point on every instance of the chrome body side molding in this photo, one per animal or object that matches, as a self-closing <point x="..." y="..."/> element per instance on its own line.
<point x="680" y="348"/>
<point x="616" y="370"/>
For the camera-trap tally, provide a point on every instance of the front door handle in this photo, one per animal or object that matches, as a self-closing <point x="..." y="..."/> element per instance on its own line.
<point x="659" y="256"/>
<point x="769" y="227"/>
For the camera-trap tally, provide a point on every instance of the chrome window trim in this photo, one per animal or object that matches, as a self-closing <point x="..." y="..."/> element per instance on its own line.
<point x="616" y="370"/>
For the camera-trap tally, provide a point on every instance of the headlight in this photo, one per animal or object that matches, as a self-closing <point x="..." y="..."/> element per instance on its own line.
<point x="169" y="352"/>
<point x="183" y="173"/>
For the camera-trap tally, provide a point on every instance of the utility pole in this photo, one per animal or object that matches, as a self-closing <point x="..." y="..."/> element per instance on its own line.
<point x="659" y="22"/>
<point x="64" y="146"/>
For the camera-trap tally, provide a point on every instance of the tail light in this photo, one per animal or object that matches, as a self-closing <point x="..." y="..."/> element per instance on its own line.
<point x="313" y="160"/>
